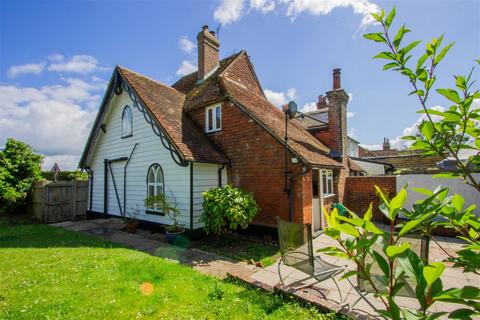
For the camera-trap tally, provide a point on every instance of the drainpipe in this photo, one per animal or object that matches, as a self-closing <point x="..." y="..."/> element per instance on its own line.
<point x="220" y="174"/>
<point x="90" y="177"/>
<point x="125" y="180"/>
<point x="290" y="190"/>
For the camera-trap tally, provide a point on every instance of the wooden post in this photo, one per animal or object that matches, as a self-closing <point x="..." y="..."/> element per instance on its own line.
<point x="74" y="198"/>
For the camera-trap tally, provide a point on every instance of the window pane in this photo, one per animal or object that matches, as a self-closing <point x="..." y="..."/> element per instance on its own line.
<point x="159" y="178"/>
<point x="151" y="190"/>
<point x="151" y="174"/>
<point x="127" y="122"/>
<point x="218" y="117"/>
<point x="324" y="182"/>
<point x="210" y="120"/>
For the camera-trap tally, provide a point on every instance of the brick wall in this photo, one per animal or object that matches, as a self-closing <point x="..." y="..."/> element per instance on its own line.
<point x="258" y="165"/>
<point x="360" y="192"/>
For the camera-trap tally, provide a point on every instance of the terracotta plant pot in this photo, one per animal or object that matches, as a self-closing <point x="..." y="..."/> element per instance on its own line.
<point x="132" y="226"/>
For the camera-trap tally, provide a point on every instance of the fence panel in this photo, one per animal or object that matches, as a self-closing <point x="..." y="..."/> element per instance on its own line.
<point x="55" y="201"/>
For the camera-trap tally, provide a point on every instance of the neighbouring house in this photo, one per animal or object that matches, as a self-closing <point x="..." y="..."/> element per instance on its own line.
<point x="401" y="160"/>
<point x="212" y="127"/>
<point x="55" y="170"/>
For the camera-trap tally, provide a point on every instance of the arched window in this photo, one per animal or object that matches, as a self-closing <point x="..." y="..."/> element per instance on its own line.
<point x="126" y="122"/>
<point x="155" y="183"/>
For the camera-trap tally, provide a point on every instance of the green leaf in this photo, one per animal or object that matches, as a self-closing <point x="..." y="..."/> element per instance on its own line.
<point x="377" y="37"/>
<point x="348" y="229"/>
<point x="385" y="55"/>
<point x="389" y="19"/>
<point x="458" y="202"/>
<point x="432" y="272"/>
<point x="450" y="94"/>
<point x="461" y="314"/>
<point x="348" y="274"/>
<point x="447" y="175"/>
<point x="423" y="191"/>
<point x="399" y="36"/>
<point x="394" y="251"/>
<point x="382" y="263"/>
<point x="368" y="214"/>
<point x="421" y="61"/>
<point x="412" y="224"/>
<point x="442" y="53"/>
<point x="390" y="65"/>
<point x="410" y="46"/>
<point x="397" y="202"/>
<point x="426" y="128"/>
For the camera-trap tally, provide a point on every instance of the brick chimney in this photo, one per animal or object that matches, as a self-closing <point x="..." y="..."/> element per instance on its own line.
<point x="322" y="102"/>
<point x="336" y="79"/>
<point x="386" y="144"/>
<point x="208" y="46"/>
<point x="337" y="115"/>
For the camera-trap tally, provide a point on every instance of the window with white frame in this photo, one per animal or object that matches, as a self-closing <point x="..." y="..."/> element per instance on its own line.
<point x="213" y="118"/>
<point x="126" y="122"/>
<point x="327" y="182"/>
<point x="155" y="184"/>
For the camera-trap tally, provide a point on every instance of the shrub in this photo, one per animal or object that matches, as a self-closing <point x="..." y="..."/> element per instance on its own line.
<point x="65" y="175"/>
<point x="227" y="208"/>
<point x="19" y="167"/>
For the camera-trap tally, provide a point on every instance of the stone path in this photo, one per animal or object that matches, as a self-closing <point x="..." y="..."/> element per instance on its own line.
<point x="324" y="294"/>
<point x="155" y="244"/>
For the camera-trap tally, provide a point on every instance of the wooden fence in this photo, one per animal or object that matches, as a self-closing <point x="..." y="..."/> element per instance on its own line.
<point x="55" y="201"/>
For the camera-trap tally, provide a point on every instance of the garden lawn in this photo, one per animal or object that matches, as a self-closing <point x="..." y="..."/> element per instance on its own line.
<point x="52" y="273"/>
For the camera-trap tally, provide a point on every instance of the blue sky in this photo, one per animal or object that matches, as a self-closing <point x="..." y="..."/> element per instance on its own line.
<point x="56" y="56"/>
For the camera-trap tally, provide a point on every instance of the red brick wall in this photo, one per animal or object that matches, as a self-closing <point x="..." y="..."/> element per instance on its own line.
<point x="258" y="165"/>
<point x="360" y="192"/>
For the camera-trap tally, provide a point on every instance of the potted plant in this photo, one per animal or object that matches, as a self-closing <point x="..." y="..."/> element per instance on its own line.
<point x="131" y="220"/>
<point x="175" y="230"/>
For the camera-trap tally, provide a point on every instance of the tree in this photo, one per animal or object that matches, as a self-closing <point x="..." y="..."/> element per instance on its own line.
<point x="19" y="167"/>
<point x="446" y="133"/>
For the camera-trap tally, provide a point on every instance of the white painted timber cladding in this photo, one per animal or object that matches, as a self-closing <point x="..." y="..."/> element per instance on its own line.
<point x="149" y="150"/>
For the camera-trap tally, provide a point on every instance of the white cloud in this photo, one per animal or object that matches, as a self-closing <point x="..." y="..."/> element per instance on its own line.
<point x="35" y="68"/>
<point x="280" y="98"/>
<point x="350" y="114"/>
<point x="262" y="5"/>
<point x="229" y="11"/>
<point x="186" y="45"/>
<point x="185" y="68"/>
<point x="77" y="64"/>
<point x="322" y="7"/>
<point x="54" y="119"/>
<point x="311" y="106"/>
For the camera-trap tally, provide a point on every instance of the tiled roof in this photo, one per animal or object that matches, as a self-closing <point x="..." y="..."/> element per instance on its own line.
<point x="207" y="91"/>
<point x="166" y="104"/>
<point x="354" y="166"/>
<point x="408" y="159"/>
<point x="272" y="119"/>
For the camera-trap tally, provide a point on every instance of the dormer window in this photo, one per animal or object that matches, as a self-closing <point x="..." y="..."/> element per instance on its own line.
<point x="213" y="118"/>
<point x="127" y="122"/>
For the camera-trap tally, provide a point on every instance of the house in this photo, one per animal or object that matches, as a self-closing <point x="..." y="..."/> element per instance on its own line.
<point x="401" y="160"/>
<point x="212" y="127"/>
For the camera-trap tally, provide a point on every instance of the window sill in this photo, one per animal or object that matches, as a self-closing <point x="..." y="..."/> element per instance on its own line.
<point x="330" y="195"/>
<point x="124" y="137"/>
<point x="157" y="213"/>
<point x="213" y="131"/>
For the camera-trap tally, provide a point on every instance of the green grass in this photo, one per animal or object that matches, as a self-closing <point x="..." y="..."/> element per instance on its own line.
<point x="51" y="273"/>
<point x="242" y="249"/>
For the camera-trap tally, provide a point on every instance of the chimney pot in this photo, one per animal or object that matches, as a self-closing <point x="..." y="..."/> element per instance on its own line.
<point x="336" y="78"/>
<point x="208" y="47"/>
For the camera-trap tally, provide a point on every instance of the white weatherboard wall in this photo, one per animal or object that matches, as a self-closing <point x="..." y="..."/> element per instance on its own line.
<point x="427" y="181"/>
<point x="372" y="169"/>
<point x="149" y="150"/>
